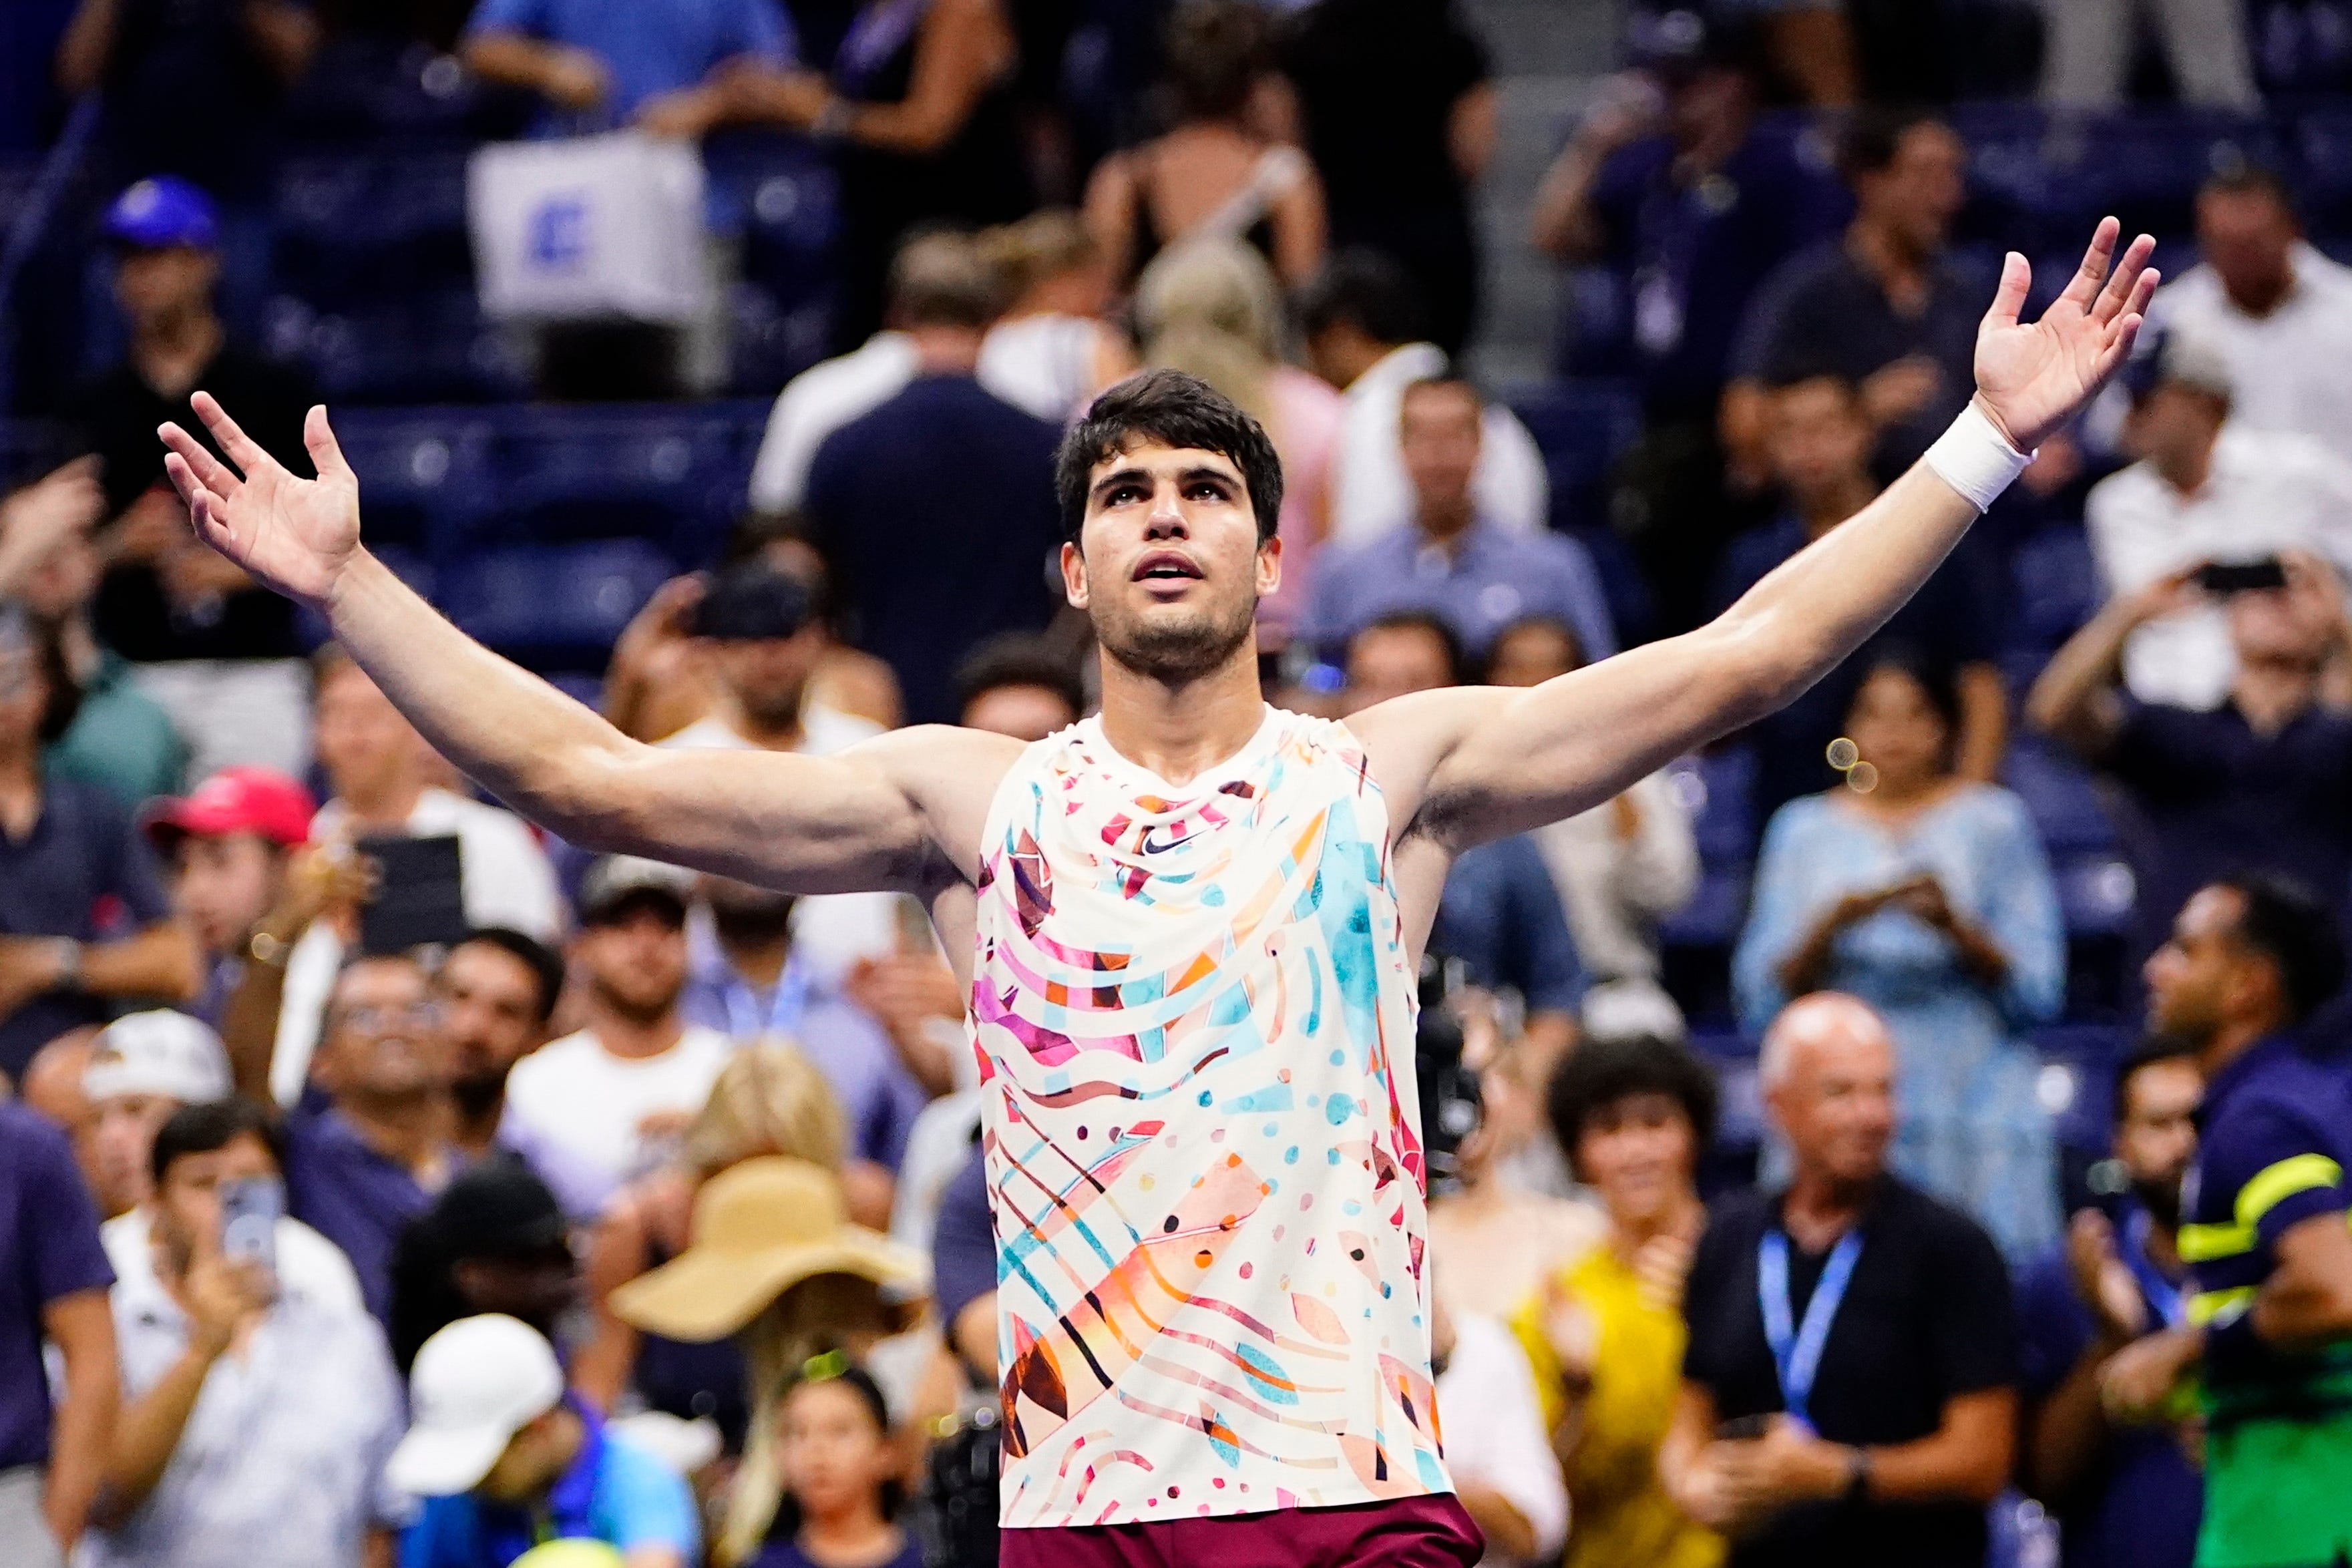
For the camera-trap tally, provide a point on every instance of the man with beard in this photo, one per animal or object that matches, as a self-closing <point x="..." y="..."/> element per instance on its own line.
<point x="618" y="1094"/>
<point x="360" y="1168"/>
<point x="1191" y="924"/>
<point x="744" y="979"/>
<point x="2124" y="1496"/>
<point x="498" y="989"/>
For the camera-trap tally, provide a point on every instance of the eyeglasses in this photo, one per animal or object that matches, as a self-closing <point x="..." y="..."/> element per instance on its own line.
<point x="377" y="1019"/>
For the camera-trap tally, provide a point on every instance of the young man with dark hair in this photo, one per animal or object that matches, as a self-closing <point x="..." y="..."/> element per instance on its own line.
<point x="1192" y="925"/>
<point x="2268" y="1321"/>
<point x="497" y="991"/>
<point x="282" y="1465"/>
<point x="2124" y="1496"/>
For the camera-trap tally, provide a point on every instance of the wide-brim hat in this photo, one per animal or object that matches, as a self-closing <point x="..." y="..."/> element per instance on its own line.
<point x="761" y="1227"/>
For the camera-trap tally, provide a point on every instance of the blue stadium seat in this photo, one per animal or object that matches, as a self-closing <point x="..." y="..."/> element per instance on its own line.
<point x="2096" y="894"/>
<point x="2323" y="148"/>
<point x="553" y="607"/>
<point x="1585" y="427"/>
<point x="1718" y="788"/>
<point x="2049" y="177"/>
<point x="360" y="230"/>
<point x="660" y="473"/>
<point x="419" y="471"/>
<point x="2088" y="1054"/>
<point x="2059" y="793"/>
<point x="1715" y="914"/>
<point x="423" y="348"/>
<point x="2057" y="586"/>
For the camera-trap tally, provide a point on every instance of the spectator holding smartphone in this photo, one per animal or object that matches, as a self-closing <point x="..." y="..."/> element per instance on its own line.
<point x="258" y="1413"/>
<point x="2259" y="782"/>
<point x="2205" y="487"/>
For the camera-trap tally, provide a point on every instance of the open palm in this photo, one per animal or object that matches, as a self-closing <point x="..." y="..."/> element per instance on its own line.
<point x="2033" y="378"/>
<point x="294" y="534"/>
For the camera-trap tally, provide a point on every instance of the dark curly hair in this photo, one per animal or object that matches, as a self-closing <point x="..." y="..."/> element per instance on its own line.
<point x="1167" y="406"/>
<point x="1603" y="1072"/>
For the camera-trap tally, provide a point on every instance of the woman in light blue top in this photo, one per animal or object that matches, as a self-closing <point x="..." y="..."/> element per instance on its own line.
<point x="1927" y="897"/>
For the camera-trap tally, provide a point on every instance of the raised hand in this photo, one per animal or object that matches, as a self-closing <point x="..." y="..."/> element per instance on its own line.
<point x="295" y="534"/>
<point x="2031" y="379"/>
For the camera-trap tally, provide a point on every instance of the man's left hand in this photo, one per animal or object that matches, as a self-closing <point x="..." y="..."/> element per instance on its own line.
<point x="2031" y="379"/>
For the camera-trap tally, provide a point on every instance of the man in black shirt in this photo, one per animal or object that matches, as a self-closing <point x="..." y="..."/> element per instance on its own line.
<point x="165" y="600"/>
<point x="1849" y="1390"/>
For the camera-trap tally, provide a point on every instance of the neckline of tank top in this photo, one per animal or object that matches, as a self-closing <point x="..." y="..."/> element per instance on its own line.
<point x="1108" y="758"/>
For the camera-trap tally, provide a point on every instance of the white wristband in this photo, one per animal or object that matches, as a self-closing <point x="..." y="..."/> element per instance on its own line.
<point x="1974" y="459"/>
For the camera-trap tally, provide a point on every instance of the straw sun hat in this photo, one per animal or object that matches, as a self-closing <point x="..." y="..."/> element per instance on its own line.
<point x="761" y="1227"/>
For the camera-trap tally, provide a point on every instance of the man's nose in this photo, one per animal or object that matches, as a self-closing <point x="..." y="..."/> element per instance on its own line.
<point x="1166" y="519"/>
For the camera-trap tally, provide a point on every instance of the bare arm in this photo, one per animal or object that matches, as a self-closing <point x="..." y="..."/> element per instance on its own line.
<point x="2066" y="1433"/>
<point x="159" y="962"/>
<point x="2307" y="1300"/>
<point x="82" y="1328"/>
<point x="1966" y="1460"/>
<point x="965" y="46"/>
<point x="860" y="820"/>
<point x="222" y="1299"/>
<point x="573" y="78"/>
<point x="1112" y="193"/>
<point x="1563" y="224"/>
<point x="1299" y="229"/>
<point x="2074" y="700"/>
<point x="88" y="45"/>
<point x="1469" y="765"/>
<point x="1984" y="723"/>
<point x="1470" y="129"/>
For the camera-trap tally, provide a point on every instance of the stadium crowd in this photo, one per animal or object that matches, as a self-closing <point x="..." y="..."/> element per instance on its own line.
<point x="1912" y="1132"/>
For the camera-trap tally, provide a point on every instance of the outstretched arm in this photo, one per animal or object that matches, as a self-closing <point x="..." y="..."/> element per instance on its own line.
<point x="860" y="820"/>
<point x="1489" y="762"/>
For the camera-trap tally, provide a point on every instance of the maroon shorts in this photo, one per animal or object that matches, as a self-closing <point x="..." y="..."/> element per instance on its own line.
<point x="1432" y="1531"/>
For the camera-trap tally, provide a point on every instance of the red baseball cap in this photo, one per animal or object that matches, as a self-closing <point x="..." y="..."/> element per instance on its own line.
<point x="235" y="800"/>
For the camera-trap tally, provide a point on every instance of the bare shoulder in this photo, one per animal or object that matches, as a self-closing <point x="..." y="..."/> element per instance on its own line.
<point x="950" y="774"/>
<point x="1407" y="739"/>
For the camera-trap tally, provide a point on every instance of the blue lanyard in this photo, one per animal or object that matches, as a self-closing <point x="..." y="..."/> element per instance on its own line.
<point x="1796" y="1347"/>
<point x="784" y="1008"/>
<point x="2163" y="1295"/>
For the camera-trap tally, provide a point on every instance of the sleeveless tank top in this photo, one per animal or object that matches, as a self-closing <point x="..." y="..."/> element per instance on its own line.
<point x="1194" y="1019"/>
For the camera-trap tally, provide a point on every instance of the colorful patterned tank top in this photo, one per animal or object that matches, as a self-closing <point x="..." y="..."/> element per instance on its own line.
<point x="1194" y="1015"/>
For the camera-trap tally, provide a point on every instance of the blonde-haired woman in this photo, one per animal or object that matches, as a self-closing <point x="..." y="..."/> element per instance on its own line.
<point x="1052" y="350"/>
<point x="769" y="1099"/>
<point x="1213" y="309"/>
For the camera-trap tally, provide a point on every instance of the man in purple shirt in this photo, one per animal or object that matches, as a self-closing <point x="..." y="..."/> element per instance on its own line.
<point x="359" y="1170"/>
<point x="53" y="1283"/>
<point x="1477" y="577"/>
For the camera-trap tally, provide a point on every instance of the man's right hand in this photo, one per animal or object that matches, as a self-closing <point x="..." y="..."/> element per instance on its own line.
<point x="2101" y="1280"/>
<point x="223" y="1296"/>
<point x="297" y="535"/>
<point x="2170" y="595"/>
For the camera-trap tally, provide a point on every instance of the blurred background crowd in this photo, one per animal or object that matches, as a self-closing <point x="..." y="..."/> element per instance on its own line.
<point x="648" y="1204"/>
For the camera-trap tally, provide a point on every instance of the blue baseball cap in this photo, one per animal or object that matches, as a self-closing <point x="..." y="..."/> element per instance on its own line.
<point x="163" y="211"/>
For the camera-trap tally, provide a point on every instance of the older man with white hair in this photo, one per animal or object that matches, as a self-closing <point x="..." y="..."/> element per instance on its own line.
<point x="1848" y="1392"/>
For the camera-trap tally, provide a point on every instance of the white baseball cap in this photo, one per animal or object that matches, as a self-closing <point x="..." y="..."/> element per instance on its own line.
<point x="160" y="1052"/>
<point x="475" y="1385"/>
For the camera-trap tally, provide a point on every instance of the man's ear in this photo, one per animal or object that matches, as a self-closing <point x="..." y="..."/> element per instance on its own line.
<point x="1269" y="566"/>
<point x="1074" y="575"/>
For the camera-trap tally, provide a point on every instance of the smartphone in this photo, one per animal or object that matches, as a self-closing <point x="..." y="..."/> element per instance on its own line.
<point x="251" y="1207"/>
<point x="2223" y="578"/>
<point x="420" y="895"/>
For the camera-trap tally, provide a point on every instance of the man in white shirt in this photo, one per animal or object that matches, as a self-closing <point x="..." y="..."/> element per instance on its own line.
<point x="2205" y="487"/>
<point x="1361" y="326"/>
<point x="765" y="642"/>
<point x="2277" y="311"/>
<point x="259" y="1405"/>
<point x="378" y="769"/>
<point x="618" y="1094"/>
